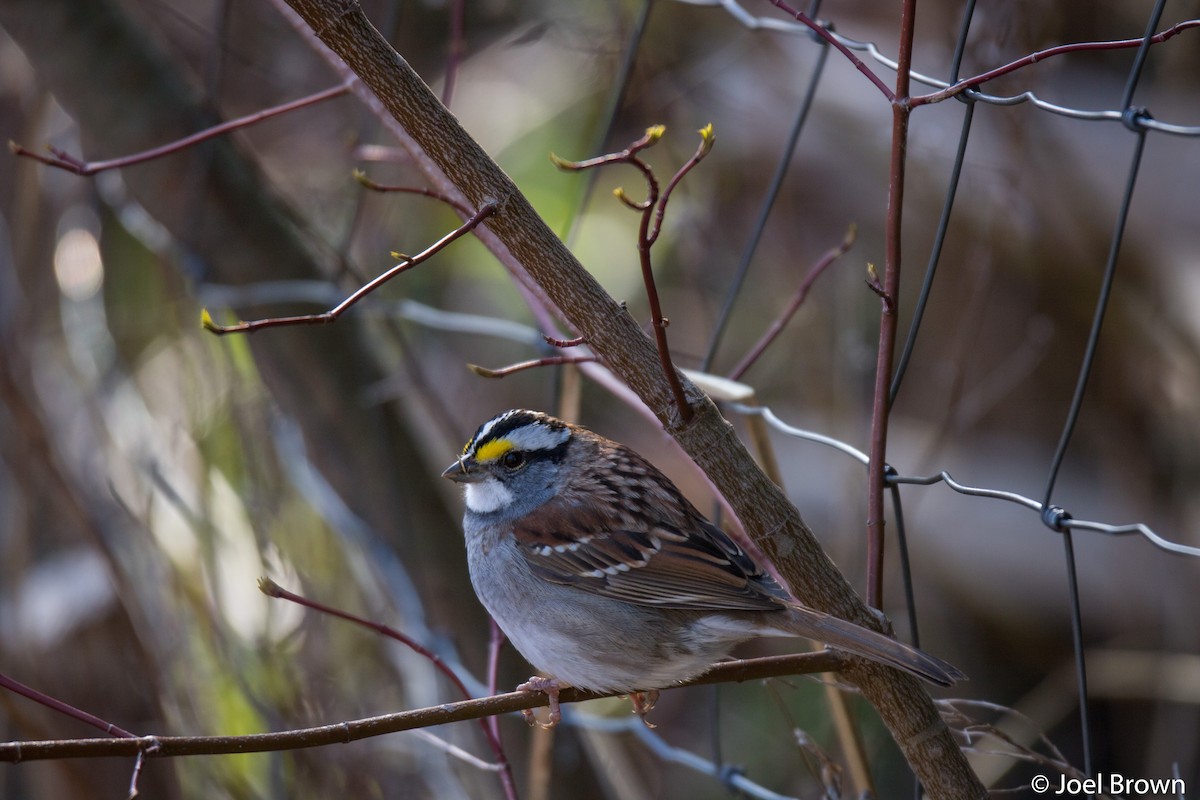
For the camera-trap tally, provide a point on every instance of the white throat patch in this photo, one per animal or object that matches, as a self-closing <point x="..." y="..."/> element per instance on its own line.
<point x="487" y="495"/>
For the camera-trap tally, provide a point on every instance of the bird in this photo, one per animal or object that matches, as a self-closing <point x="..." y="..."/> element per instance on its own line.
<point x="606" y="578"/>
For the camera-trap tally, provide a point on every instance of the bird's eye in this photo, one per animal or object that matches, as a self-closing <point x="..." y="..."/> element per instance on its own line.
<point x="513" y="460"/>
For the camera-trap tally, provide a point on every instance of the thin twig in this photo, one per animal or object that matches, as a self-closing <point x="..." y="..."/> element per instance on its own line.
<point x="332" y="315"/>
<point x="69" y="710"/>
<point x="827" y="36"/>
<point x="832" y="255"/>
<point x="1041" y="55"/>
<point x="652" y="210"/>
<point x="707" y="140"/>
<point x="454" y="751"/>
<point x="272" y="589"/>
<point x="136" y="775"/>
<point x="881" y="408"/>
<point x="548" y="361"/>
<point x="626" y="156"/>
<point x="66" y="161"/>
<point x="496" y="642"/>
<point x="658" y="321"/>
<point x="461" y="208"/>
<point x="490" y="732"/>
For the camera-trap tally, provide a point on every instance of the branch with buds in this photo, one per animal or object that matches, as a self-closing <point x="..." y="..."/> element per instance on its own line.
<point x="653" y="209"/>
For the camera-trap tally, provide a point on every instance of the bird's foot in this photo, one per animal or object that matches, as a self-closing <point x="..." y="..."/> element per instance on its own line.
<point x="643" y="704"/>
<point x="549" y="687"/>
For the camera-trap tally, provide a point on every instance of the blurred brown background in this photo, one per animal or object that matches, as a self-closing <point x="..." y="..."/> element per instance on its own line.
<point x="151" y="472"/>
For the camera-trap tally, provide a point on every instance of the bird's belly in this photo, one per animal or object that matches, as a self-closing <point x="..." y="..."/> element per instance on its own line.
<point x="586" y="640"/>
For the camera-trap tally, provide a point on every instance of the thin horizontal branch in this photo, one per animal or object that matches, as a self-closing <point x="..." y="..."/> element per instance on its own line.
<point x="423" y="191"/>
<point x="1041" y="55"/>
<point x="353" y="730"/>
<point x="64" y="160"/>
<point x="549" y="361"/>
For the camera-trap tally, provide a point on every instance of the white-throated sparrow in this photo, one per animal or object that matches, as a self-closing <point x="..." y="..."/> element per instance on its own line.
<point x="605" y="577"/>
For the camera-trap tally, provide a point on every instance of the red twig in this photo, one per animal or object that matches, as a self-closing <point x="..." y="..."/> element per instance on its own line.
<point x="976" y="80"/>
<point x="876" y="287"/>
<point x="829" y="38"/>
<point x="1042" y="55"/>
<point x="362" y="178"/>
<point x="652" y="210"/>
<point x="881" y="408"/>
<point x="496" y="640"/>
<point x="657" y="319"/>
<point x="63" y="708"/>
<point x="273" y="589"/>
<point x="407" y="263"/>
<point x="63" y="160"/>
<point x="626" y="156"/>
<point x="832" y="255"/>
<point x="707" y="139"/>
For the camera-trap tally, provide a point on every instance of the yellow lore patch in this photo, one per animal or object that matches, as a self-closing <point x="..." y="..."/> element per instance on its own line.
<point x="493" y="450"/>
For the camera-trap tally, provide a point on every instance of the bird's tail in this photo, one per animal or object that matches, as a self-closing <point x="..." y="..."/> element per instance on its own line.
<point x="843" y="635"/>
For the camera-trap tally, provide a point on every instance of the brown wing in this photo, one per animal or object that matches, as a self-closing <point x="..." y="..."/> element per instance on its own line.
<point x="649" y="548"/>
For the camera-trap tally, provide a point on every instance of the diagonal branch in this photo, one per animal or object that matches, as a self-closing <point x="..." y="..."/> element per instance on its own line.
<point x="272" y="589"/>
<point x="15" y="686"/>
<point x="332" y="315"/>
<point x="827" y="36"/>
<point x="772" y="333"/>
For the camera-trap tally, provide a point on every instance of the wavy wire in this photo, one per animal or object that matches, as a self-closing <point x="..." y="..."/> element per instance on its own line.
<point x="962" y="488"/>
<point x="745" y="18"/>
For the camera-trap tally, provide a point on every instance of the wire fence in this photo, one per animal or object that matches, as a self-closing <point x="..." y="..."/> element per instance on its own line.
<point x="1140" y="123"/>
<point x="1128" y="115"/>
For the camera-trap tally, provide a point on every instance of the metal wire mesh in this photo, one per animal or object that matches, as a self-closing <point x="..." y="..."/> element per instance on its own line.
<point x="1139" y="123"/>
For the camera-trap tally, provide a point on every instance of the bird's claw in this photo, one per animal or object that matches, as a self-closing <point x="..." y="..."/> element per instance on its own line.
<point x="549" y="687"/>
<point x="643" y="704"/>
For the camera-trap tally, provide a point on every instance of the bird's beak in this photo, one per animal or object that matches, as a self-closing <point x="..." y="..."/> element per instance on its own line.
<point x="462" y="471"/>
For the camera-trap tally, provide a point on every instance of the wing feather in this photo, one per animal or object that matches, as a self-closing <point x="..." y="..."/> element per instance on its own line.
<point x="649" y="550"/>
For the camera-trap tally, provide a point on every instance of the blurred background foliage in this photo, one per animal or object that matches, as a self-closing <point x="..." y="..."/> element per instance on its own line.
<point x="151" y="472"/>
